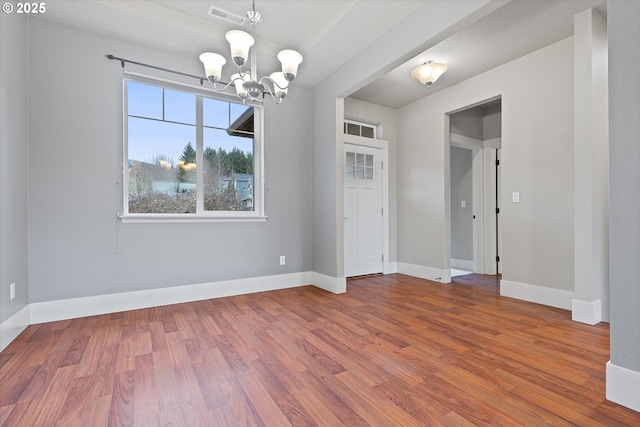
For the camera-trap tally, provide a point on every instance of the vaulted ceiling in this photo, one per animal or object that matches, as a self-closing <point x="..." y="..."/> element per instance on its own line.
<point x="329" y="33"/>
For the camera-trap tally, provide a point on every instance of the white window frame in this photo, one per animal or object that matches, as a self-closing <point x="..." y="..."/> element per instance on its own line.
<point x="360" y="125"/>
<point x="256" y="215"/>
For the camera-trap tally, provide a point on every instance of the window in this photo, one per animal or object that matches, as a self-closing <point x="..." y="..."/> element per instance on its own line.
<point x="189" y="153"/>
<point x="359" y="165"/>
<point x="359" y="129"/>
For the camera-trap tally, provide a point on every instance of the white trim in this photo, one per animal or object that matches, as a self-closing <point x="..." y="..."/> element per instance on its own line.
<point x="622" y="386"/>
<point x="461" y="141"/>
<point x="462" y="264"/>
<point x="382" y="145"/>
<point x="365" y="142"/>
<point x="393" y="268"/>
<point x="423" y="272"/>
<point x="539" y="294"/>
<point x="337" y="285"/>
<point x="13" y="326"/>
<point x="489" y="211"/>
<point x="477" y="169"/>
<point x="100" y="304"/>
<point x="175" y="218"/>
<point x="386" y="211"/>
<point x="589" y="312"/>
<point x="180" y="84"/>
<point x="493" y="143"/>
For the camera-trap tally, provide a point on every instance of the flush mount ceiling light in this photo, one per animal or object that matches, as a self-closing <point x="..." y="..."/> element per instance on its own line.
<point x="428" y="72"/>
<point x="246" y="82"/>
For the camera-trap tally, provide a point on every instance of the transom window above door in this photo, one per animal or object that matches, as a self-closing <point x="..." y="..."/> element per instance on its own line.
<point x="359" y="129"/>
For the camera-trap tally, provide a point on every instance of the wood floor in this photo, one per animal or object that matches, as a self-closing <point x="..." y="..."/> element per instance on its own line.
<point x="393" y="351"/>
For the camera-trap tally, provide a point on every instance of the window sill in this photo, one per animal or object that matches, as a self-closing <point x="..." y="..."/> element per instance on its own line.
<point x="176" y="218"/>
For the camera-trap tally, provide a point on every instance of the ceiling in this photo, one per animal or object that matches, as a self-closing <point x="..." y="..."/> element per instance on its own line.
<point x="328" y="33"/>
<point x="516" y="29"/>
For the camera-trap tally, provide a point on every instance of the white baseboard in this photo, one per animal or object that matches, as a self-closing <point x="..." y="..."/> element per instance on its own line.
<point x="13" y="326"/>
<point x="423" y="272"/>
<point x="589" y="312"/>
<point x="50" y="311"/>
<point x="622" y="386"/>
<point x="337" y="285"/>
<point x="538" y="294"/>
<point x="462" y="264"/>
<point x="392" y="268"/>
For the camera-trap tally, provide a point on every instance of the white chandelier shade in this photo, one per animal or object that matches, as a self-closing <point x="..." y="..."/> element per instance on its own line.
<point x="240" y="89"/>
<point x="240" y="43"/>
<point x="213" y="63"/>
<point x="290" y="59"/>
<point x="428" y="73"/>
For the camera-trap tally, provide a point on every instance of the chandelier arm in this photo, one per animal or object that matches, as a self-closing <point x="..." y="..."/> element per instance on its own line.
<point x="267" y="78"/>
<point x="226" y="85"/>
<point x="268" y="90"/>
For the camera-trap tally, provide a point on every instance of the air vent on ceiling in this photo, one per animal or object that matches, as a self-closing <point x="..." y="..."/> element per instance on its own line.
<point x="226" y="16"/>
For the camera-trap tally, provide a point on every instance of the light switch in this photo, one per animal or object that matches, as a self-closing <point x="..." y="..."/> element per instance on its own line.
<point x="463" y="204"/>
<point x="515" y="197"/>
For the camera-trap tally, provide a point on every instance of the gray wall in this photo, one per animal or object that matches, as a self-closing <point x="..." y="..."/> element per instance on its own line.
<point x="461" y="218"/>
<point x="537" y="241"/>
<point x="467" y="123"/>
<point x="77" y="246"/>
<point x="624" y="158"/>
<point x="13" y="163"/>
<point x="482" y="123"/>
<point x="429" y="23"/>
<point x="492" y="122"/>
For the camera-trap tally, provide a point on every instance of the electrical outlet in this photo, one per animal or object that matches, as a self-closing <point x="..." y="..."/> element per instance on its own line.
<point x="12" y="291"/>
<point x="283" y="260"/>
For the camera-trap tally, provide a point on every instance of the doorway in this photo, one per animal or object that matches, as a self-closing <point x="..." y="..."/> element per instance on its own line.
<point x="475" y="140"/>
<point x="363" y="211"/>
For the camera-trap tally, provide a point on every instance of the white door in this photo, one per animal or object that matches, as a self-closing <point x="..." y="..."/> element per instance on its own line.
<point x="362" y="210"/>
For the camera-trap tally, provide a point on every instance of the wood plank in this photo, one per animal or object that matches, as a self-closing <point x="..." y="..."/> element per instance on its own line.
<point x="393" y="350"/>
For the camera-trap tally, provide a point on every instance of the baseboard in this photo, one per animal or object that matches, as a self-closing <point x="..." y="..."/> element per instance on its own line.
<point x="538" y="294"/>
<point x="13" y="326"/>
<point x="337" y="285"/>
<point x="462" y="264"/>
<point x="89" y="306"/>
<point x="423" y="272"/>
<point x="392" y="268"/>
<point x="622" y="386"/>
<point x="586" y="311"/>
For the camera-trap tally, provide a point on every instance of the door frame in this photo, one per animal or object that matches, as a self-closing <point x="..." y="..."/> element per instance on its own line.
<point x="477" y="173"/>
<point x="383" y="145"/>
<point x="484" y="203"/>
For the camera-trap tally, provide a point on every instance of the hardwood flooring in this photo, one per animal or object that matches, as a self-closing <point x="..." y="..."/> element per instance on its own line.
<point x="393" y="351"/>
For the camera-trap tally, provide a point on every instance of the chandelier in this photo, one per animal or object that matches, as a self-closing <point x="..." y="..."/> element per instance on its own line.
<point x="245" y="81"/>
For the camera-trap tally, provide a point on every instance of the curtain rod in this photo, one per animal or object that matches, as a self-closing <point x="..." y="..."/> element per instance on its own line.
<point x="123" y="61"/>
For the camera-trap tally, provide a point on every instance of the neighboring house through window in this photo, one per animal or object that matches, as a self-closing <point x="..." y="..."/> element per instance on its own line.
<point x="189" y="153"/>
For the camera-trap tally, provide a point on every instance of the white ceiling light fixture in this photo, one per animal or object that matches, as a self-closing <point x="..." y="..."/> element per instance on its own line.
<point x="428" y="72"/>
<point x="246" y="82"/>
